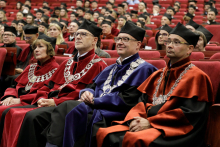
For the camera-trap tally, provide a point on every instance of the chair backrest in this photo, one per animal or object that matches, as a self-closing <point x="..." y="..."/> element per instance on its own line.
<point x="151" y="42"/>
<point x="157" y="63"/>
<point x="70" y="43"/>
<point x="20" y="42"/>
<point x="3" y="53"/>
<point x="215" y="56"/>
<point x="110" y="61"/>
<point x="60" y="59"/>
<point x="107" y="44"/>
<point x="112" y="53"/>
<point x="197" y="55"/>
<point x="149" y="54"/>
<point x="216" y="34"/>
<point x="212" y="48"/>
<point x="23" y="46"/>
<point x="212" y="69"/>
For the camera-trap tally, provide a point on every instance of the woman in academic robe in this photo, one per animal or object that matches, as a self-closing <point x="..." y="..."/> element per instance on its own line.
<point x="32" y="78"/>
<point x="162" y="36"/>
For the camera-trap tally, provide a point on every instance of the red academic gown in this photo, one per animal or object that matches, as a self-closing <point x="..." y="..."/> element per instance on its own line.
<point x="69" y="92"/>
<point x="179" y="121"/>
<point x="109" y="36"/>
<point x="65" y="35"/>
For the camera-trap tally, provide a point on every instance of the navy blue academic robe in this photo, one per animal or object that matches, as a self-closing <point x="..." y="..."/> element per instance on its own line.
<point x="84" y="120"/>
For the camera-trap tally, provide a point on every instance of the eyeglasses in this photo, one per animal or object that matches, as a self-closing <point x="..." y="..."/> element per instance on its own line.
<point x="123" y="39"/>
<point x="164" y="34"/>
<point x="28" y="38"/>
<point x="8" y="35"/>
<point x="82" y="34"/>
<point x="175" y="42"/>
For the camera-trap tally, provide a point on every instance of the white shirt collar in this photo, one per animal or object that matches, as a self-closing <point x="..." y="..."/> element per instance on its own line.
<point x="119" y="60"/>
<point x="81" y="55"/>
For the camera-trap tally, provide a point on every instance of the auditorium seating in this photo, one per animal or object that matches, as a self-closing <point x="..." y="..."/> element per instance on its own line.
<point x="215" y="56"/>
<point x="151" y="42"/>
<point x="212" y="48"/>
<point x="3" y="53"/>
<point x="107" y="44"/>
<point x="23" y="46"/>
<point x="213" y="29"/>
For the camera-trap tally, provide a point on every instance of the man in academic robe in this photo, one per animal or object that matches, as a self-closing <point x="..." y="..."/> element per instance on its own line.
<point x="30" y="34"/>
<point x="114" y="30"/>
<point x="175" y="103"/>
<point x="73" y="75"/>
<point x="166" y="19"/>
<point x="211" y="16"/>
<point x="106" y="30"/>
<point x="21" y="24"/>
<point x="64" y="31"/>
<point x="73" y="27"/>
<point x="110" y="97"/>
<point x="94" y="6"/>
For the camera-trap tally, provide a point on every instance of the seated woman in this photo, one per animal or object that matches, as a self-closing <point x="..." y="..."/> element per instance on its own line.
<point x="30" y="19"/>
<point x="89" y="15"/>
<point x="162" y="36"/>
<point x="121" y="22"/>
<point x="55" y="30"/>
<point x="3" y="17"/>
<point x="63" y="14"/>
<point x="32" y="78"/>
<point x="142" y="7"/>
<point x="43" y="28"/>
<point x="21" y="24"/>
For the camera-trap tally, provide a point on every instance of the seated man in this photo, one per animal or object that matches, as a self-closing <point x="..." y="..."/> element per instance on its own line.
<point x="211" y="16"/>
<point x="192" y="9"/>
<point x="21" y="24"/>
<point x="111" y="96"/>
<point x="72" y="75"/>
<point x="64" y="30"/>
<point x="166" y="19"/>
<point x="175" y="104"/>
<point x="114" y="30"/>
<point x="106" y="30"/>
<point x="73" y="27"/>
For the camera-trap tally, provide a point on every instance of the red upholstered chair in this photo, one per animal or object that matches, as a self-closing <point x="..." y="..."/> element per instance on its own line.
<point x="149" y="33"/>
<point x="149" y="54"/>
<point x="112" y="53"/>
<point x="152" y="26"/>
<point x="196" y="56"/>
<point x="23" y="46"/>
<point x="215" y="56"/>
<point x="107" y="44"/>
<point x="156" y="22"/>
<point x="213" y="29"/>
<point x="110" y="61"/>
<point x="3" y="53"/>
<point x="175" y="21"/>
<point x="198" y="21"/>
<point x="60" y="59"/>
<point x="21" y="42"/>
<point x="70" y="43"/>
<point x="157" y="63"/>
<point x="151" y="42"/>
<point x="212" y="48"/>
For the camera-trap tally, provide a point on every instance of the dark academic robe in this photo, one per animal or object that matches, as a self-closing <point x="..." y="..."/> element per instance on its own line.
<point x="108" y="105"/>
<point x="25" y="57"/>
<point x="179" y="121"/>
<point x="47" y="69"/>
<point x="77" y="74"/>
<point x="19" y="50"/>
<point x="211" y="23"/>
<point x="109" y="36"/>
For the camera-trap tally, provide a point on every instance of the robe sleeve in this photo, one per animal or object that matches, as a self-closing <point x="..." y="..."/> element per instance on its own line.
<point x="122" y="100"/>
<point x="10" y="92"/>
<point x="181" y="119"/>
<point x="90" y="88"/>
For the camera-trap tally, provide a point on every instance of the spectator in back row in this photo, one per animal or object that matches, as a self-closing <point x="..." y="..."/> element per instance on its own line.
<point x="106" y="30"/>
<point x="43" y="28"/>
<point x="73" y="26"/>
<point x="162" y="36"/>
<point x="211" y="16"/>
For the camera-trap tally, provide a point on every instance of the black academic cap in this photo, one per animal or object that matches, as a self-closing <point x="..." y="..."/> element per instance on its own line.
<point x="57" y="8"/>
<point x="51" y="40"/>
<point x="125" y="2"/>
<point x="120" y="5"/>
<point x="10" y="29"/>
<point x="54" y="16"/>
<point x="95" y="23"/>
<point x="66" y="22"/>
<point x="212" y="1"/>
<point x="109" y="3"/>
<point x="28" y="7"/>
<point x="110" y="18"/>
<point x="134" y="11"/>
<point x="101" y="16"/>
<point x="96" y="31"/>
<point x="133" y="30"/>
<point x="29" y="14"/>
<point x="191" y="6"/>
<point x="104" y="7"/>
<point x="94" y="2"/>
<point x="14" y="21"/>
<point x="208" y="3"/>
<point x="44" y="7"/>
<point x="141" y="22"/>
<point x="193" y="24"/>
<point x="58" y="23"/>
<point x="142" y="16"/>
<point x="146" y="13"/>
<point x="90" y="12"/>
<point x="64" y="4"/>
<point x="206" y="32"/>
<point x="168" y="16"/>
<point x="76" y="14"/>
<point x="214" y="10"/>
<point x="171" y="8"/>
<point x="40" y="11"/>
<point x="155" y="2"/>
<point x="128" y="14"/>
<point x="75" y="21"/>
<point x="44" y="24"/>
<point x="190" y="37"/>
<point x="22" y="21"/>
<point x="106" y="22"/>
<point x="80" y="8"/>
<point x="30" y="29"/>
<point x="189" y="15"/>
<point x="110" y="11"/>
<point x="47" y="17"/>
<point x="166" y="28"/>
<point x="125" y="18"/>
<point x="64" y="9"/>
<point x="195" y="1"/>
<point x="177" y="2"/>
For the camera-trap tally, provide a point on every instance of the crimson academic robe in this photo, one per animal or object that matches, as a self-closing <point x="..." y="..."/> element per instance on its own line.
<point x="179" y="121"/>
<point x="25" y="57"/>
<point x="65" y="35"/>
<point x="114" y="31"/>
<point x="47" y="69"/>
<point x="109" y="36"/>
<point x="84" y="71"/>
<point x="108" y="104"/>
